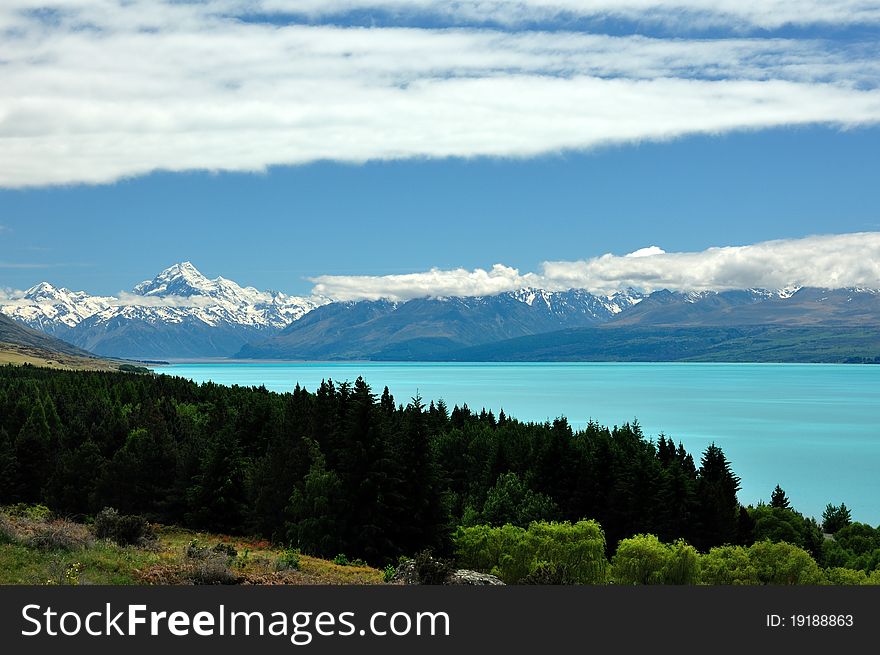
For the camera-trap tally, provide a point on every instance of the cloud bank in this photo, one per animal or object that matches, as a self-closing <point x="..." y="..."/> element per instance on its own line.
<point x="98" y="90"/>
<point x="766" y="14"/>
<point x="832" y="261"/>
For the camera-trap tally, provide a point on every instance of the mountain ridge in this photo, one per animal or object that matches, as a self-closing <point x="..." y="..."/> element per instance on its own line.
<point x="181" y="313"/>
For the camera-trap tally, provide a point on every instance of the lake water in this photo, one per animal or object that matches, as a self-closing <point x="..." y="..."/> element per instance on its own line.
<point x="814" y="429"/>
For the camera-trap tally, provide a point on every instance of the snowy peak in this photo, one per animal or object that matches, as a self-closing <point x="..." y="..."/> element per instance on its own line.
<point x="179" y="294"/>
<point x="181" y="279"/>
<point x="44" y="292"/>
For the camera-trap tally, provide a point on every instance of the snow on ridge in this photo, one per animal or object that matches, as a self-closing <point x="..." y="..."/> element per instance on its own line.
<point x="177" y="294"/>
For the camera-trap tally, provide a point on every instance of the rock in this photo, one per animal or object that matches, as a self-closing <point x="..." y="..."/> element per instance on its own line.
<point x="465" y="577"/>
<point x="407" y="574"/>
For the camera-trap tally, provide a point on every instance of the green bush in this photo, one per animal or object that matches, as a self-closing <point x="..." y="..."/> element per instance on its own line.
<point x="222" y="548"/>
<point x="8" y="534"/>
<point x="784" y="564"/>
<point x="341" y="560"/>
<point x="728" y="565"/>
<point x="33" y="512"/>
<point x="388" y="573"/>
<point x="212" y="570"/>
<point x="644" y="559"/>
<point x="122" y="529"/>
<point x="842" y="576"/>
<point x="58" y="535"/>
<point x="288" y="560"/>
<point x="574" y="552"/>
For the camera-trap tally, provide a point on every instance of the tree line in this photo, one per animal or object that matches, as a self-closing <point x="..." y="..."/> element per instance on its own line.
<point x="344" y="469"/>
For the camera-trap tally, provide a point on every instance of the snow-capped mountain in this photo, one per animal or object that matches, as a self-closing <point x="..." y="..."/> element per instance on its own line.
<point x="53" y="310"/>
<point x="427" y="327"/>
<point x="179" y="313"/>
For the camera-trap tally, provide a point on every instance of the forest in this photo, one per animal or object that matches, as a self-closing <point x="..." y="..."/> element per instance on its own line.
<point x="347" y="470"/>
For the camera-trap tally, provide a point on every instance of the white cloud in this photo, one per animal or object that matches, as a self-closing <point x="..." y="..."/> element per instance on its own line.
<point x="435" y="283"/>
<point x="126" y="299"/>
<point x="650" y="251"/>
<point x="832" y="261"/>
<point x="753" y="13"/>
<point x="103" y="90"/>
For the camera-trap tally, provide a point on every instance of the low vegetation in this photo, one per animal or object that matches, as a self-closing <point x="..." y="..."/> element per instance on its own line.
<point x="38" y="548"/>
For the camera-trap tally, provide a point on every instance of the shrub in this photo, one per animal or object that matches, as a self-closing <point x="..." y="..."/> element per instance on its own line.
<point x="58" y="535"/>
<point x="784" y="564"/>
<point x="842" y="576"/>
<point x="431" y="570"/>
<point x="388" y="573"/>
<point x="124" y="530"/>
<point x="197" y="550"/>
<point x="728" y="565"/>
<point x="288" y="560"/>
<point x="8" y="534"/>
<point x="574" y="553"/>
<point x="341" y="560"/>
<point x="222" y="548"/>
<point x="212" y="570"/>
<point x="32" y="512"/>
<point x="643" y="559"/>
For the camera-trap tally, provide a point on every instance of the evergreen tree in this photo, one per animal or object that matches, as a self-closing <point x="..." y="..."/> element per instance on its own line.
<point x="34" y="453"/>
<point x="314" y="513"/>
<point x="8" y="469"/>
<point x="217" y="497"/>
<point x="835" y="517"/>
<point x="717" y="508"/>
<point x="779" y="499"/>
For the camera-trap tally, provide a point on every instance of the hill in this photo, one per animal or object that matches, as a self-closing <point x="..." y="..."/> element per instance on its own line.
<point x="687" y="344"/>
<point x="22" y="345"/>
<point x="427" y="328"/>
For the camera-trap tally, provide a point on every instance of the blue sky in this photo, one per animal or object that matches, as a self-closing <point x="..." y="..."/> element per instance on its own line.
<point x="511" y="133"/>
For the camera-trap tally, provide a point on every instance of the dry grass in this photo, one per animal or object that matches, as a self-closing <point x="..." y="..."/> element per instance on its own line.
<point x="45" y="551"/>
<point x="19" y="355"/>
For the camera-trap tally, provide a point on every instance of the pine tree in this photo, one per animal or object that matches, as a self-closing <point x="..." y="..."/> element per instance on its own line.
<point x="34" y="454"/>
<point x="718" y="508"/>
<point x="314" y="521"/>
<point x="779" y="499"/>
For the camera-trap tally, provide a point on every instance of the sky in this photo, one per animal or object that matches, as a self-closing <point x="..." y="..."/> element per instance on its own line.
<point x="363" y="148"/>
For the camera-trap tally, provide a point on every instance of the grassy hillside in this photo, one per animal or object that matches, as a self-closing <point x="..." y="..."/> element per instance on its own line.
<point x="38" y="549"/>
<point x="21" y="345"/>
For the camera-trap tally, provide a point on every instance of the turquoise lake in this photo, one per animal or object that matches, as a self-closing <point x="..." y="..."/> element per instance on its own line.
<point x="814" y="429"/>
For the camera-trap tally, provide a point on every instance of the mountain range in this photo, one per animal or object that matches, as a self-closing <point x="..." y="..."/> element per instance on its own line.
<point x="182" y="314"/>
<point x="179" y="313"/>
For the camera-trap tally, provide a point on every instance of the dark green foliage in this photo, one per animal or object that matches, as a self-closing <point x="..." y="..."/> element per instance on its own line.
<point x="123" y="529"/>
<point x="8" y="468"/>
<point x="431" y="570"/>
<point x="781" y="524"/>
<point x="835" y="517"/>
<point x="341" y="469"/>
<point x="511" y="501"/>
<point x="288" y="560"/>
<point x="717" y="486"/>
<point x="131" y="368"/>
<point x="778" y="499"/>
<point x="856" y="546"/>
